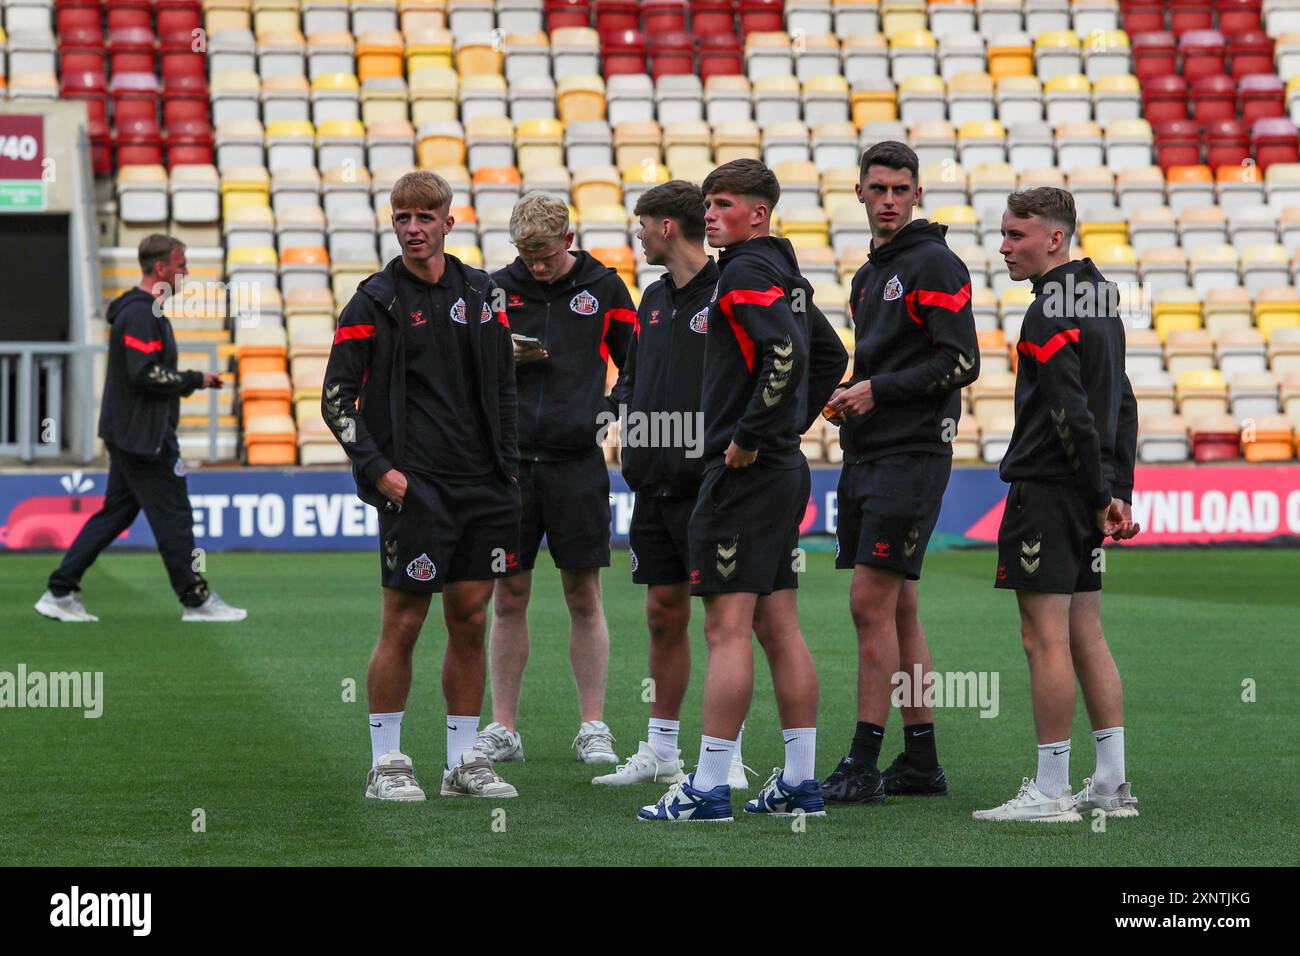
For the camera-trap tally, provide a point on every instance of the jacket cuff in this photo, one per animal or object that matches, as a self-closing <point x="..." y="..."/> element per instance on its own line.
<point x="1102" y="499"/>
<point x="376" y="470"/>
<point x="745" y="439"/>
<point x="880" y="385"/>
<point x="1124" y="492"/>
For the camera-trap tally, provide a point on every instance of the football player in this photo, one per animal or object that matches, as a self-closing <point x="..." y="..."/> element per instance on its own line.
<point x="576" y="315"/>
<point x="915" y="348"/>
<point x="771" y="361"/>
<point x="420" y="392"/>
<point x="663" y="376"/>
<point x="1070" y="466"/>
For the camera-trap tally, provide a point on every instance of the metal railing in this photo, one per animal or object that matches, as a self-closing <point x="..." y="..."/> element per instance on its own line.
<point x="32" y="399"/>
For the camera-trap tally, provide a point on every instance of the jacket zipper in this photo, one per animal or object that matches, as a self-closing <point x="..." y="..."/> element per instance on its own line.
<point x="541" y="390"/>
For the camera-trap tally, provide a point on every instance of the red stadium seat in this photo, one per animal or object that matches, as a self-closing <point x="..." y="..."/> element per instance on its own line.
<point x="78" y="14"/>
<point x="1216" y="445"/>
<point x="1275" y="140"/>
<point x="567" y="13"/>
<point x="179" y="16"/>
<point x="82" y="48"/>
<point x="1203" y="53"/>
<point x="101" y="146"/>
<point x="623" y="52"/>
<point x="761" y="16"/>
<point x="1165" y="98"/>
<point x="185" y="97"/>
<point x="1227" y="143"/>
<point x="135" y="95"/>
<point x="1238" y="16"/>
<point x="190" y="143"/>
<point x="664" y="16"/>
<point x="614" y="15"/>
<point x="178" y="56"/>
<point x="132" y="50"/>
<point x="720" y="55"/>
<point x="1214" y="98"/>
<point x="129" y="13"/>
<point x="713" y="17"/>
<point x="1251" y="53"/>
<point x="1154" y="54"/>
<point x="1178" y="143"/>
<point x="672" y="54"/>
<point x="89" y="86"/>
<point x="1261" y="96"/>
<point x="1187" y="15"/>
<point x="138" y="142"/>
<point x="1143" y="17"/>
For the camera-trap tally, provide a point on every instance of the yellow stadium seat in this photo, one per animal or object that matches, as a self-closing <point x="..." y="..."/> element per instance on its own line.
<point x="580" y="98"/>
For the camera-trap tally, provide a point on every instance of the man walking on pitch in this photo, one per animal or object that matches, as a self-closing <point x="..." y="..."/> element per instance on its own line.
<point x="915" y="349"/>
<point x="137" y="421"/>
<point x="771" y="361"/>
<point x="1070" y="465"/>
<point x="577" y="315"/>
<point x="420" y="392"/>
<point x="661" y="383"/>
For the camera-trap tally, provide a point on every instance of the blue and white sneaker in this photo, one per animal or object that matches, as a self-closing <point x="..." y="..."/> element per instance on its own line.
<point x="780" y="800"/>
<point x="683" y="802"/>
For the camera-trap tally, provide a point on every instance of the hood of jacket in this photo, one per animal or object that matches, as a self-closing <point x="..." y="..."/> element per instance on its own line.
<point x="584" y="272"/>
<point x="1082" y="269"/>
<point x="777" y="251"/>
<point x="916" y="233"/>
<point x="130" y="297"/>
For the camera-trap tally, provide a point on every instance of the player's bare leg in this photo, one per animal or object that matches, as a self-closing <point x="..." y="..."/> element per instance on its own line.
<point x="794" y="676"/>
<point x="388" y="681"/>
<point x="1045" y="631"/>
<point x="668" y="617"/>
<point x="509" y="645"/>
<point x="1107" y="789"/>
<point x="912" y="650"/>
<point x="729" y="678"/>
<point x="588" y="639"/>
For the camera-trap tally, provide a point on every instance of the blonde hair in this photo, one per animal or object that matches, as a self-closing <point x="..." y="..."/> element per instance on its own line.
<point x="420" y="189"/>
<point x="538" y="218"/>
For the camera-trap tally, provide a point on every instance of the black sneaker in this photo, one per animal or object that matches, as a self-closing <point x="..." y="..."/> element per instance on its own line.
<point x="901" y="779"/>
<point x="853" y="782"/>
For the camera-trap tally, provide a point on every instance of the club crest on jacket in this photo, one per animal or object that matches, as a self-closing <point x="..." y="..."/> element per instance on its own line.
<point x="893" y="289"/>
<point x="584" y="303"/>
<point x="458" y="312"/>
<point x="700" y="321"/>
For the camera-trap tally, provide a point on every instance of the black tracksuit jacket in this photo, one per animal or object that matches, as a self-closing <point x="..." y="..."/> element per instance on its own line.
<point x="142" y="388"/>
<point x="584" y="319"/>
<point x="1076" y="418"/>
<point x="664" y="372"/>
<point x="363" y="398"/>
<point x="915" y="340"/>
<point x="771" y="360"/>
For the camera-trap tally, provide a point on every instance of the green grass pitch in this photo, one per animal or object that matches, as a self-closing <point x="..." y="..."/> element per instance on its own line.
<point x="247" y="722"/>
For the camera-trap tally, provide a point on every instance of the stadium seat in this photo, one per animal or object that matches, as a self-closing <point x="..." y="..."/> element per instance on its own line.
<point x="739" y="139"/>
<point x="1189" y="187"/>
<point x="1154" y="54"/>
<point x="768" y="54"/>
<point x="1226" y="309"/>
<point x="1154" y="393"/>
<point x="575" y="51"/>
<point x="866" y="58"/>
<point x="860" y="17"/>
<point x="335" y="96"/>
<point x="1202" y="226"/>
<point x="1274" y="140"/>
<point x="1056" y="54"/>
<point x="1068" y="98"/>
<point x="1176" y="309"/>
<point x="935" y="142"/>
<point x="1272" y="438"/>
<point x="636" y="144"/>
<point x="720" y="55"/>
<point x="1240" y="350"/>
<point x="679" y="98"/>
<point x="1265" y="266"/>
<point x="1163" y="268"/>
<point x="912" y="53"/>
<point x="1030" y="146"/>
<point x="1128" y="143"/>
<point x="1162" y="439"/>
<point x="1284" y="353"/>
<point x="1201" y="392"/>
<point x="1276" y="309"/>
<point x="776" y="100"/>
<point x="960" y="54"/>
<point x="785" y="141"/>
<point x="1214" y="437"/>
<point x="1282" y="185"/>
<point x="817" y="55"/>
<point x="1214" y="267"/>
<point x="725" y="98"/>
<point x="1010" y="55"/>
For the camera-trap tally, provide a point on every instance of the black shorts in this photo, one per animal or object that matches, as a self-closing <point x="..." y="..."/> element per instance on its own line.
<point x="568" y="502"/>
<point x="657" y="539"/>
<point x="888" y="508"/>
<point x="744" y="532"/>
<point x="1047" y="540"/>
<point x="447" y="532"/>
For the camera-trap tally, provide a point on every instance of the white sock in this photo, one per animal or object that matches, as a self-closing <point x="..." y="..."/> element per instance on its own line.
<point x="800" y="754"/>
<point x="461" y="732"/>
<point x="1110" y="759"/>
<point x="715" y="762"/>
<point x="739" y="737"/>
<point x="385" y="735"/>
<point x="1053" y="777"/>
<point x="662" y="737"/>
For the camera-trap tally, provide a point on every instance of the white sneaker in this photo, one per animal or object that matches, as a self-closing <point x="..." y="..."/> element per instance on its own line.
<point x="66" y="608"/>
<point x="736" y="778"/>
<point x="214" y="609"/>
<point x="393" y="779"/>
<point x="1121" y="803"/>
<point x="594" y="743"/>
<point x="1029" y="804"/>
<point x="645" y="766"/>
<point x="499" y="745"/>
<point x="474" y="777"/>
